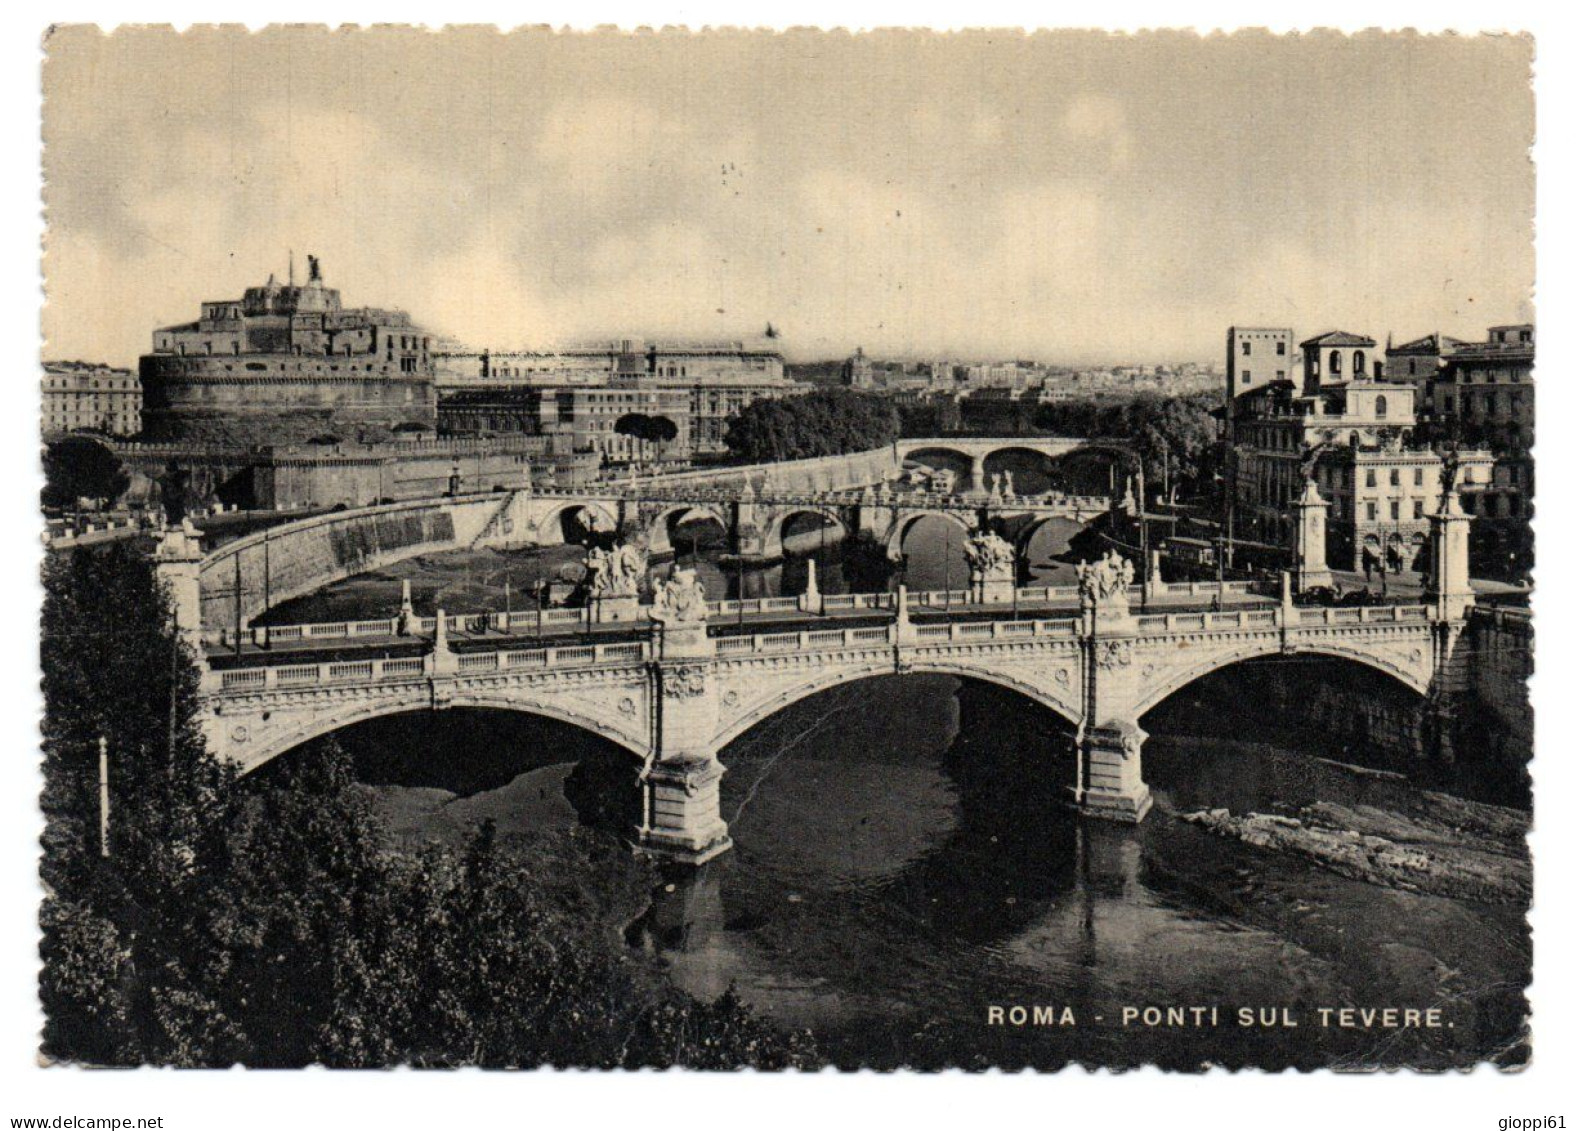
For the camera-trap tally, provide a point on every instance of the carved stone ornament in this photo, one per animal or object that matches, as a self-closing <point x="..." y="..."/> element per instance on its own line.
<point x="991" y="557"/>
<point x="617" y="572"/>
<point x="1114" y="654"/>
<point x="684" y="682"/>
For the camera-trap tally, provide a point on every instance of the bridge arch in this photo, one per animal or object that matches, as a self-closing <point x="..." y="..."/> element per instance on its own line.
<point x="900" y="530"/>
<point x="318" y="724"/>
<point x="551" y="523"/>
<point x="660" y="531"/>
<point x="1170" y="683"/>
<point x="835" y="675"/>
<point x="829" y="515"/>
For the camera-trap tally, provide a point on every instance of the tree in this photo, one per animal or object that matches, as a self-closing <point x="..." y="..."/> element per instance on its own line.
<point x="80" y="468"/>
<point x="653" y="429"/>
<point x="820" y="423"/>
<point x="115" y="669"/>
<point x="1174" y="437"/>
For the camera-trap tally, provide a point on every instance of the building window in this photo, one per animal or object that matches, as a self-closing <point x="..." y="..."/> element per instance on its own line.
<point x="1419" y="477"/>
<point x="1419" y="508"/>
<point x="1358" y="363"/>
<point x="1380" y="407"/>
<point x="1397" y="477"/>
<point x="1336" y="364"/>
<point x="1282" y="349"/>
<point x="1369" y="477"/>
<point x="1245" y="349"/>
<point x="1369" y="511"/>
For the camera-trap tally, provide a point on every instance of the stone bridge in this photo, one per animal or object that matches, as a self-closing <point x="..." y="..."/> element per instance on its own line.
<point x="853" y="494"/>
<point x="675" y="692"/>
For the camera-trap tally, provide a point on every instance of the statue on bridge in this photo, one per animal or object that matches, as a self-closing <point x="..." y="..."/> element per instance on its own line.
<point x="990" y="556"/>
<point x="992" y="573"/>
<point x="617" y="572"/>
<point x="680" y="600"/>
<point x="1104" y="583"/>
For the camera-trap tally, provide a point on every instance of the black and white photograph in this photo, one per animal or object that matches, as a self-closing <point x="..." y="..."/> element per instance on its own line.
<point x="718" y="550"/>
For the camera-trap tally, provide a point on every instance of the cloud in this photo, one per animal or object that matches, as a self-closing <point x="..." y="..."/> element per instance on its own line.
<point x="1063" y="197"/>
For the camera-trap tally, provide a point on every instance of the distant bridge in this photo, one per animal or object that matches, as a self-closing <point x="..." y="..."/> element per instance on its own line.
<point x="853" y="494"/>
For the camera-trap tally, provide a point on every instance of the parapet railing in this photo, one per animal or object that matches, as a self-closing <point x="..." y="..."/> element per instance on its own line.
<point x="584" y="619"/>
<point x="287" y="675"/>
<point x="1158" y="624"/>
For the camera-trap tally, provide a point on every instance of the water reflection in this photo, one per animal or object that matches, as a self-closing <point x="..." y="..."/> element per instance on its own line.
<point x="903" y="858"/>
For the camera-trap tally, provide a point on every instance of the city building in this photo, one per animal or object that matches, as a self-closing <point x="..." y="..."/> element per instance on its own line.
<point x="79" y="396"/>
<point x="288" y="364"/>
<point x="582" y="393"/>
<point x="1354" y="434"/>
<point x="1484" y="396"/>
<point x="1338" y="356"/>
<point x="858" y="371"/>
<point x="1418" y="363"/>
<point x="1256" y="356"/>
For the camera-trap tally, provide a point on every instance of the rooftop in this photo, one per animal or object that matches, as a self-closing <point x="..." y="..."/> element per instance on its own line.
<point x="1338" y="338"/>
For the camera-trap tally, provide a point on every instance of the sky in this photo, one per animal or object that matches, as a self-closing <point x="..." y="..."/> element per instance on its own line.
<point x="1069" y="197"/>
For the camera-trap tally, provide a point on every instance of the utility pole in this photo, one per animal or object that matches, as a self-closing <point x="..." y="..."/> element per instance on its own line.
<point x="268" y="591"/>
<point x="104" y="797"/>
<point x="947" y="569"/>
<point x="237" y="558"/>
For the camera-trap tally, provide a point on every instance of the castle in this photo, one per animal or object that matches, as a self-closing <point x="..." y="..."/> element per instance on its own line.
<point x="288" y="364"/>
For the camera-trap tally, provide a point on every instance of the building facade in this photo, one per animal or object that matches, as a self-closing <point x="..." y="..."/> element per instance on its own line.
<point x="582" y="393"/>
<point x="1418" y="363"/>
<point x="1257" y="356"/>
<point x="1484" y="395"/>
<point x="287" y="364"/>
<point x="1354" y="435"/>
<point x="78" y="396"/>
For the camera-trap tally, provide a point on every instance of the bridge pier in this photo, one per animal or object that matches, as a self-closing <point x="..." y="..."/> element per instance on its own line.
<point x="1111" y="785"/>
<point x="681" y="821"/>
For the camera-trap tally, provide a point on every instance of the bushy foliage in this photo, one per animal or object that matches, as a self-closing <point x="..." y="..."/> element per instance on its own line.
<point x="271" y="923"/>
<point x="825" y="422"/>
<point x="1175" y="436"/>
<point x="81" y="468"/>
<point x="653" y="429"/>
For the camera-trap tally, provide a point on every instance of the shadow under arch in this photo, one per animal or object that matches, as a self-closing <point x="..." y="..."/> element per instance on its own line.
<point x="923" y="796"/>
<point x="445" y="772"/>
<point x="905" y="527"/>
<point x="822" y="681"/>
<point x="575" y="522"/>
<point x="1096" y="467"/>
<point x="1206" y="750"/>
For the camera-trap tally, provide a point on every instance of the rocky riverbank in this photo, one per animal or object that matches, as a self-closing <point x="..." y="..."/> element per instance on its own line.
<point x="1442" y="846"/>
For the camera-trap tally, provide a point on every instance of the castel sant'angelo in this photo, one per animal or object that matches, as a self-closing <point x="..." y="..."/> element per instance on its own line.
<point x="287" y="364"/>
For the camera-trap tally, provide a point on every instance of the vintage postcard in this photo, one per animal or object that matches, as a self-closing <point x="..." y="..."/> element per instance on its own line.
<point x="732" y="549"/>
